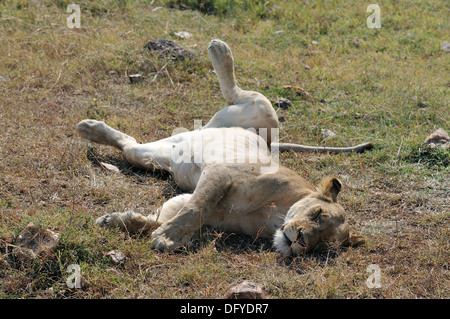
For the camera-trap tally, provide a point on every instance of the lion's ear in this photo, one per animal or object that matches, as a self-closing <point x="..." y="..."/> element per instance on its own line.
<point x="355" y="240"/>
<point x="330" y="187"/>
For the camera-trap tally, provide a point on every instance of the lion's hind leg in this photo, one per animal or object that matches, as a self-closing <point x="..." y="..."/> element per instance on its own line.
<point x="151" y="156"/>
<point x="169" y="209"/>
<point x="100" y="132"/>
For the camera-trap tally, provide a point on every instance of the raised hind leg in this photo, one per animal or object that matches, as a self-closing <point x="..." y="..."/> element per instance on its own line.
<point x="223" y="62"/>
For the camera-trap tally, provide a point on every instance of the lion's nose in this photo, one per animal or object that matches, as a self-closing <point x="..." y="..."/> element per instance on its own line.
<point x="287" y="239"/>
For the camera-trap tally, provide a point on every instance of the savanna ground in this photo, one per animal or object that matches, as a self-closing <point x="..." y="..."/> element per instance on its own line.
<point x="389" y="86"/>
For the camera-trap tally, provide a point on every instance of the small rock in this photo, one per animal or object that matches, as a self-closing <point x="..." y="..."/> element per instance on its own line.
<point x="246" y="290"/>
<point x="169" y="48"/>
<point x="117" y="257"/>
<point x="183" y="34"/>
<point x="445" y="46"/>
<point x="326" y="133"/>
<point x="357" y="42"/>
<point x="299" y="91"/>
<point x="314" y="42"/>
<point x="283" y="103"/>
<point x="35" y="241"/>
<point x="438" y="138"/>
<point x="134" y="78"/>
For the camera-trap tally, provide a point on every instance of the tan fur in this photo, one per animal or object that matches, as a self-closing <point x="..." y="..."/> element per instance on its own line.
<point x="235" y="197"/>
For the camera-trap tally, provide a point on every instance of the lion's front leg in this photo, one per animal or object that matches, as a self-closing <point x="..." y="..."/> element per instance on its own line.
<point x="128" y="221"/>
<point x="211" y="188"/>
<point x="176" y="233"/>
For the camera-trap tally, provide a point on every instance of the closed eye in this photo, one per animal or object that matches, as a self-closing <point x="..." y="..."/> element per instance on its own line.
<point x="315" y="217"/>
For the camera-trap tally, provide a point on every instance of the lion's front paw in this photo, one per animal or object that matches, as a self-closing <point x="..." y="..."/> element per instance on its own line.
<point x="104" y="221"/>
<point x="162" y="242"/>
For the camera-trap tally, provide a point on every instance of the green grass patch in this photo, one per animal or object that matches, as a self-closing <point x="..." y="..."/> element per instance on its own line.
<point x="433" y="158"/>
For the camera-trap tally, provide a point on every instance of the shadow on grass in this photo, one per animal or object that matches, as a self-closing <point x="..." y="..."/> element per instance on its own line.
<point x="141" y="176"/>
<point x="318" y="258"/>
<point x="238" y="244"/>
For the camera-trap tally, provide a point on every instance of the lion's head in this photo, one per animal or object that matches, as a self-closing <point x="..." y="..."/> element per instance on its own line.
<point x="315" y="221"/>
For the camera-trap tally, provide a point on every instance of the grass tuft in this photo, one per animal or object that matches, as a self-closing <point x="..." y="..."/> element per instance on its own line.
<point x="435" y="158"/>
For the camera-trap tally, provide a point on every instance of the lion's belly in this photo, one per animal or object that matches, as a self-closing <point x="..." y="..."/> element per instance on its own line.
<point x="189" y="151"/>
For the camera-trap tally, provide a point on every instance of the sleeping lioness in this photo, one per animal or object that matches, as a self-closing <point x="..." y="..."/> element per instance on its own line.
<point x="236" y="188"/>
<point x="236" y="184"/>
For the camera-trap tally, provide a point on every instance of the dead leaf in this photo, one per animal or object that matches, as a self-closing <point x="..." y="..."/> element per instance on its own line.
<point x="326" y="133"/>
<point x="183" y="34"/>
<point x="110" y="167"/>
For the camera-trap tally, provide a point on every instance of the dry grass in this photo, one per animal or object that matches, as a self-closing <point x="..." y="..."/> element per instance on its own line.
<point x="388" y="86"/>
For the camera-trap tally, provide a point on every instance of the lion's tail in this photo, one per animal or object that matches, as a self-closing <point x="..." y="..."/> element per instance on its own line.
<point x="284" y="147"/>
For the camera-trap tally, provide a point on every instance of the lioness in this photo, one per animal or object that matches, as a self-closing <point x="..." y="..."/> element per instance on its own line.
<point x="234" y="190"/>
